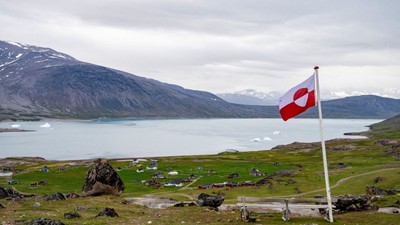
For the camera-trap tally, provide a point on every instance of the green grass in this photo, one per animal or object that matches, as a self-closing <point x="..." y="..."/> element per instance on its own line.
<point x="363" y="164"/>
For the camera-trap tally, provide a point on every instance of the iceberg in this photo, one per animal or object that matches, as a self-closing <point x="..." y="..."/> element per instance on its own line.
<point x="256" y="140"/>
<point x="276" y="132"/>
<point x="15" y="126"/>
<point x="45" y="125"/>
<point x="267" y="139"/>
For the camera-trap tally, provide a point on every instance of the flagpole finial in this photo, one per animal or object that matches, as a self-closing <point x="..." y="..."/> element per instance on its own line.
<point x="316" y="67"/>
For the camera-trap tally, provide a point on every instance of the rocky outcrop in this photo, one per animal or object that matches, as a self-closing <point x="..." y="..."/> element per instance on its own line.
<point x="102" y="179"/>
<point x="297" y="146"/>
<point x="347" y="203"/>
<point x="342" y="147"/>
<point x="45" y="221"/>
<point x="210" y="201"/>
<point x="393" y="150"/>
<point x="371" y="190"/>
<point x="8" y="193"/>
<point x="386" y="142"/>
<point x="110" y="212"/>
<point x="57" y="196"/>
<point x="71" y="215"/>
<point x="72" y="195"/>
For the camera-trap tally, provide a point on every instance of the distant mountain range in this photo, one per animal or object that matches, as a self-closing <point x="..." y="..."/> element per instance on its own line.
<point x="253" y="97"/>
<point x="38" y="81"/>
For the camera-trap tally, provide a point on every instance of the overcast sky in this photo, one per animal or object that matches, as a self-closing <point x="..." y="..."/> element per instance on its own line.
<point x="221" y="45"/>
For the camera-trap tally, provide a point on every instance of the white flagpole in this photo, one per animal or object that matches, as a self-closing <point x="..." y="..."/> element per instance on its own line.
<point x="328" y="189"/>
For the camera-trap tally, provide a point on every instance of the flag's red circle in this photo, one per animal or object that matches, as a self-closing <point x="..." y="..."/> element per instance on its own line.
<point x="300" y="93"/>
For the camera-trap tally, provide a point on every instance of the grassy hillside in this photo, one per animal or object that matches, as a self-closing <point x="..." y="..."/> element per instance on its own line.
<point x="297" y="170"/>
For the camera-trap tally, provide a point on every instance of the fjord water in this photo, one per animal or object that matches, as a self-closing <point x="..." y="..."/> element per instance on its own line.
<point x="120" y="138"/>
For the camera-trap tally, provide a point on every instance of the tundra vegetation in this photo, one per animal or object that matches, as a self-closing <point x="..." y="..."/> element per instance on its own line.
<point x="290" y="170"/>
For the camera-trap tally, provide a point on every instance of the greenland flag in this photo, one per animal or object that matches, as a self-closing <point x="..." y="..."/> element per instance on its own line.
<point x="298" y="99"/>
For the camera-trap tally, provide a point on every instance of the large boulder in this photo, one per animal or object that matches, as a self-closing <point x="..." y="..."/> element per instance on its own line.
<point x="210" y="201"/>
<point x="102" y="179"/>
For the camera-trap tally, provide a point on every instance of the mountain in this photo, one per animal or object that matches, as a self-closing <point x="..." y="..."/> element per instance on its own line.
<point x="253" y="97"/>
<point x="41" y="81"/>
<point x="361" y="107"/>
<point x="36" y="82"/>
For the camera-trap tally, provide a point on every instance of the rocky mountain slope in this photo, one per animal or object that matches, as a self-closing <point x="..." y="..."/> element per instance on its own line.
<point x="35" y="80"/>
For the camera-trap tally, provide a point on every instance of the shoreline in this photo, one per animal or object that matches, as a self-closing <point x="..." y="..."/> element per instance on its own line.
<point x="132" y="158"/>
<point x="11" y="130"/>
<point x="129" y="149"/>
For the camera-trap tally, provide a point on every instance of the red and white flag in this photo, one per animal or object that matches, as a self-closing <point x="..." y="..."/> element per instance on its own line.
<point x="298" y="99"/>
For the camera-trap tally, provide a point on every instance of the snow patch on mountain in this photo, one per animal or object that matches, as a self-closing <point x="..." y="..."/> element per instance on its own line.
<point x="253" y="97"/>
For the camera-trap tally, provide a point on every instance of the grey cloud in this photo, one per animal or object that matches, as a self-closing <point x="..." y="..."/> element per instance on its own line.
<point x="253" y="43"/>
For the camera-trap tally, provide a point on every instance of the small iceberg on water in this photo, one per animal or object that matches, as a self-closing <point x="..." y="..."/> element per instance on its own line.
<point x="45" y="125"/>
<point x="267" y="139"/>
<point x="15" y="126"/>
<point x="276" y="132"/>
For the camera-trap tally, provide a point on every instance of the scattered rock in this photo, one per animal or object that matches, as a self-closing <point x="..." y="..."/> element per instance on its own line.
<point x="2" y="206"/>
<point x="386" y="142"/>
<point x="72" y="195"/>
<point x="291" y="181"/>
<point x="342" y="147"/>
<point x="102" y="179"/>
<point x="378" y="179"/>
<point x="110" y="212"/>
<point x="12" y="162"/>
<point x="297" y="146"/>
<point x="71" y="215"/>
<point x="394" y="150"/>
<point x="371" y="190"/>
<point x="81" y="208"/>
<point x="45" y="221"/>
<point x="210" y="201"/>
<point x="346" y="203"/>
<point x="39" y="183"/>
<point x="184" y="204"/>
<point x="8" y="193"/>
<point x="265" y="180"/>
<point x="233" y="175"/>
<point x="37" y="204"/>
<point x="57" y="196"/>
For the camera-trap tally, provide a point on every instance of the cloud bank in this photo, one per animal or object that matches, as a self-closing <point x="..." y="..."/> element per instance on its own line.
<point x="222" y="46"/>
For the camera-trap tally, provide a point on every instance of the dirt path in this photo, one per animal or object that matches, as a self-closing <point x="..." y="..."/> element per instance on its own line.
<point x="339" y="182"/>
<point x="194" y="181"/>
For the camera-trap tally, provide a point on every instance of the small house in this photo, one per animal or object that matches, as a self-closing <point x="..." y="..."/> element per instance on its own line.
<point x="173" y="173"/>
